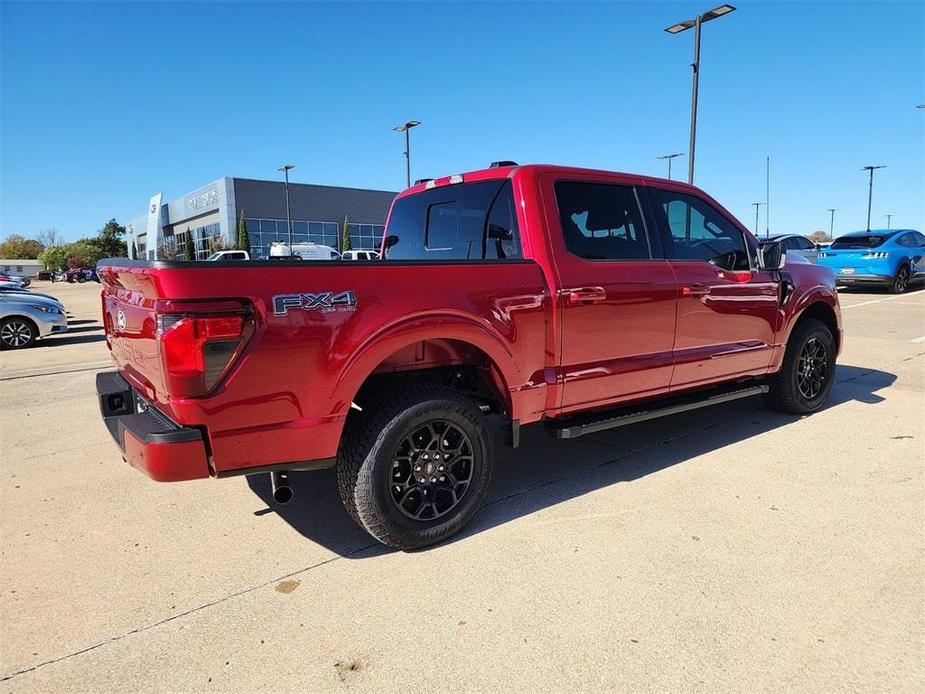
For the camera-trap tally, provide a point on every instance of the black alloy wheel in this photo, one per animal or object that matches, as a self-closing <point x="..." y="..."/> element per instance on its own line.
<point x="812" y="369"/>
<point x="431" y="470"/>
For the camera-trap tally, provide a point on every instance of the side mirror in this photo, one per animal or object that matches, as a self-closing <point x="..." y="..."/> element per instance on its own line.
<point x="391" y="240"/>
<point x="771" y="256"/>
<point x="498" y="232"/>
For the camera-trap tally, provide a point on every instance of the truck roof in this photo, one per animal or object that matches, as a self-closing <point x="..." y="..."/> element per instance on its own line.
<point x="508" y="171"/>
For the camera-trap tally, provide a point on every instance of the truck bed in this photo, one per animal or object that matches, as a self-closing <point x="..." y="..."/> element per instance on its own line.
<point x="319" y="330"/>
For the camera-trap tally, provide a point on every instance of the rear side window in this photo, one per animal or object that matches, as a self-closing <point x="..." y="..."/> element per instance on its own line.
<point x="867" y="241"/>
<point x="601" y="221"/>
<point x="468" y="221"/>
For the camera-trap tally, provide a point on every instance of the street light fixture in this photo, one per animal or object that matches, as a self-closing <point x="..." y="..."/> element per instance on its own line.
<point x="870" y="188"/>
<point x="669" y="157"/>
<point x="832" y="211"/>
<point x="695" y="24"/>
<point x="285" y="168"/>
<point x="406" y="128"/>
<point x="757" y="205"/>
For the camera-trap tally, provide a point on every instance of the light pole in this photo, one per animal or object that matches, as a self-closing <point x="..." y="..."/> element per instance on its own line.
<point x="757" y="205"/>
<point x="669" y="157"/>
<point x="832" y="211"/>
<point x="889" y="218"/>
<point x="870" y="188"/>
<point x="285" y="169"/>
<point x="696" y="23"/>
<point x="406" y="128"/>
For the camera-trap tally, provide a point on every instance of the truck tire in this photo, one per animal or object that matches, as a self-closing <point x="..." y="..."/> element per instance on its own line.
<point x="805" y="379"/>
<point x="414" y="467"/>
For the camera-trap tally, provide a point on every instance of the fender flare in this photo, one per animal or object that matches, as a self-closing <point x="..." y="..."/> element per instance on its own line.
<point x="446" y="325"/>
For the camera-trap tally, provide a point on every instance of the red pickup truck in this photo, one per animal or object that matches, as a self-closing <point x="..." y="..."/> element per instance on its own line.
<point x="573" y="299"/>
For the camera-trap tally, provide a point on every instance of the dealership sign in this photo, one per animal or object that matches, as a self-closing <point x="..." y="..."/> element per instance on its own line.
<point x="197" y="202"/>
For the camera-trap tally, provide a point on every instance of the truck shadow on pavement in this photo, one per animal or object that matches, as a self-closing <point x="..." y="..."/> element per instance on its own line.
<point x="544" y="472"/>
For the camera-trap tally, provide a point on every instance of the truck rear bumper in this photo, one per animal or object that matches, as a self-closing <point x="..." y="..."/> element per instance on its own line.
<point x="149" y="441"/>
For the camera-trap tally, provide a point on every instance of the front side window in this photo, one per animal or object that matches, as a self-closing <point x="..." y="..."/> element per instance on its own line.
<point x="467" y="221"/>
<point x="601" y="221"/>
<point x="907" y="240"/>
<point x="694" y="230"/>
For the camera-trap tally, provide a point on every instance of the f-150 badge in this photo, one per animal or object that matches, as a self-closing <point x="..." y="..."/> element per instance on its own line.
<point x="322" y="301"/>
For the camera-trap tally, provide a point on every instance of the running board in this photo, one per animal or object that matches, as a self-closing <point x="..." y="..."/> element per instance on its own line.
<point x="573" y="427"/>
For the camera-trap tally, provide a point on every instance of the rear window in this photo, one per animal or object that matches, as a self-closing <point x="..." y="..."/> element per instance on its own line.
<point x="868" y="241"/>
<point x="468" y="221"/>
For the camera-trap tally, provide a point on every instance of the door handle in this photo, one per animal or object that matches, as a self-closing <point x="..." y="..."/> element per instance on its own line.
<point x="696" y="289"/>
<point x="585" y="295"/>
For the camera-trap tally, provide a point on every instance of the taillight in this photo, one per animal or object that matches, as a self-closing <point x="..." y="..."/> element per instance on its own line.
<point x="199" y="342"/>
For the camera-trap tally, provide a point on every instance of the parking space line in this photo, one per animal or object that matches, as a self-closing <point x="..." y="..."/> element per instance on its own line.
<point x="873" y="301"/>
<point x="918" y="339"/>
<point x="54" y="371"/>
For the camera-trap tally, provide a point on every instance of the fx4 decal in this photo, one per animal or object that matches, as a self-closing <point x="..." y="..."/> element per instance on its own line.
<point x="322" y="301"/>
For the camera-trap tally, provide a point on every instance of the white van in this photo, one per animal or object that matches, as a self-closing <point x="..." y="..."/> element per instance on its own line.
<point x="229" y="255"/>
<point x="306" y="251"/>
<point x="359" y="255"/>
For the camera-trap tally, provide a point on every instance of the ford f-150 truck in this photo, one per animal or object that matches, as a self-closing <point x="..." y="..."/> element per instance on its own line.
<point x="572" y="299"/>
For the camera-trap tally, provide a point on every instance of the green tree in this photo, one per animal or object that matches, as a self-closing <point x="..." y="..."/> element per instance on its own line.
<point x="55" y="257"/>
<point x="190" y="247"/>
<point x="345" y="240"/>
<point x="109" y="240"/>
<point x="82" y="253"/>
<point x="18" y="246"/>
<point x="244" y="243"/>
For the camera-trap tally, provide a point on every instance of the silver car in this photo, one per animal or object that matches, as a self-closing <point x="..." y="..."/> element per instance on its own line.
<point x="798" y="245"/>
<point x="24" y="318"/>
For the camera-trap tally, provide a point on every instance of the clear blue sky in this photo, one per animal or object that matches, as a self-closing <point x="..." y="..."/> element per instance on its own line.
<point x="104" y="104"/>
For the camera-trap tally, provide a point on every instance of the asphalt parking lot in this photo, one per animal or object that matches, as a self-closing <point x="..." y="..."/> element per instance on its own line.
<point x="733" y="548"/>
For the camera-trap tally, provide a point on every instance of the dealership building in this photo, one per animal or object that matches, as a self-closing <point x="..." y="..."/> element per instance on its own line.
<point x="210" y="216"/>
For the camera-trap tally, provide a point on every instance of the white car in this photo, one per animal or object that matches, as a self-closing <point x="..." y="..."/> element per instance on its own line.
<point x="305" y="251"/>
<point x="25" y="318"/>
<point x="229" y="255"/>
<point x="798" y="245"/>
<point x="359" y="255"/>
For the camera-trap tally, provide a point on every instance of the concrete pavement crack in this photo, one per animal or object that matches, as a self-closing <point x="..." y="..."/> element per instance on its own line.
<point x="185" y="613"/>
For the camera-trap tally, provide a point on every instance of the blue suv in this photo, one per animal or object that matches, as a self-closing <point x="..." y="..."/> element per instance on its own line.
<point x="894" y="258"/>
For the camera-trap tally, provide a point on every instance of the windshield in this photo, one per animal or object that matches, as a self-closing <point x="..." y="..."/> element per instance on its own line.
<point x="214" y="256"/>
<point x="868" y="241"/>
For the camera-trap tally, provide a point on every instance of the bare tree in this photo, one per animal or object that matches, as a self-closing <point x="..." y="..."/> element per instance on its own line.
<point x="818" y="236"/>
<point x="169" y="249"/>
<point x="49" y="237"/>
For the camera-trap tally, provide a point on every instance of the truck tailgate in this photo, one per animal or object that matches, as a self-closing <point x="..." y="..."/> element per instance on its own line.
<point x="129" y="320"/>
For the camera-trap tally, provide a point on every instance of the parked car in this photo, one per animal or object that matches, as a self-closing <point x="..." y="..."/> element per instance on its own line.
<point x="26" y="318"/>
<point x="359" y="255"/>
<point x="572" y="299"/>
<point x="798" y="245"/>
<point x="305" y="251"/>
<point x="81" y="275"/>
<point x="45" y="275"/>
<point x="892" y="258"/>
<point x="9" y="280"/>
<point x="26" y="292"/>
<point x="229" y="255"/>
